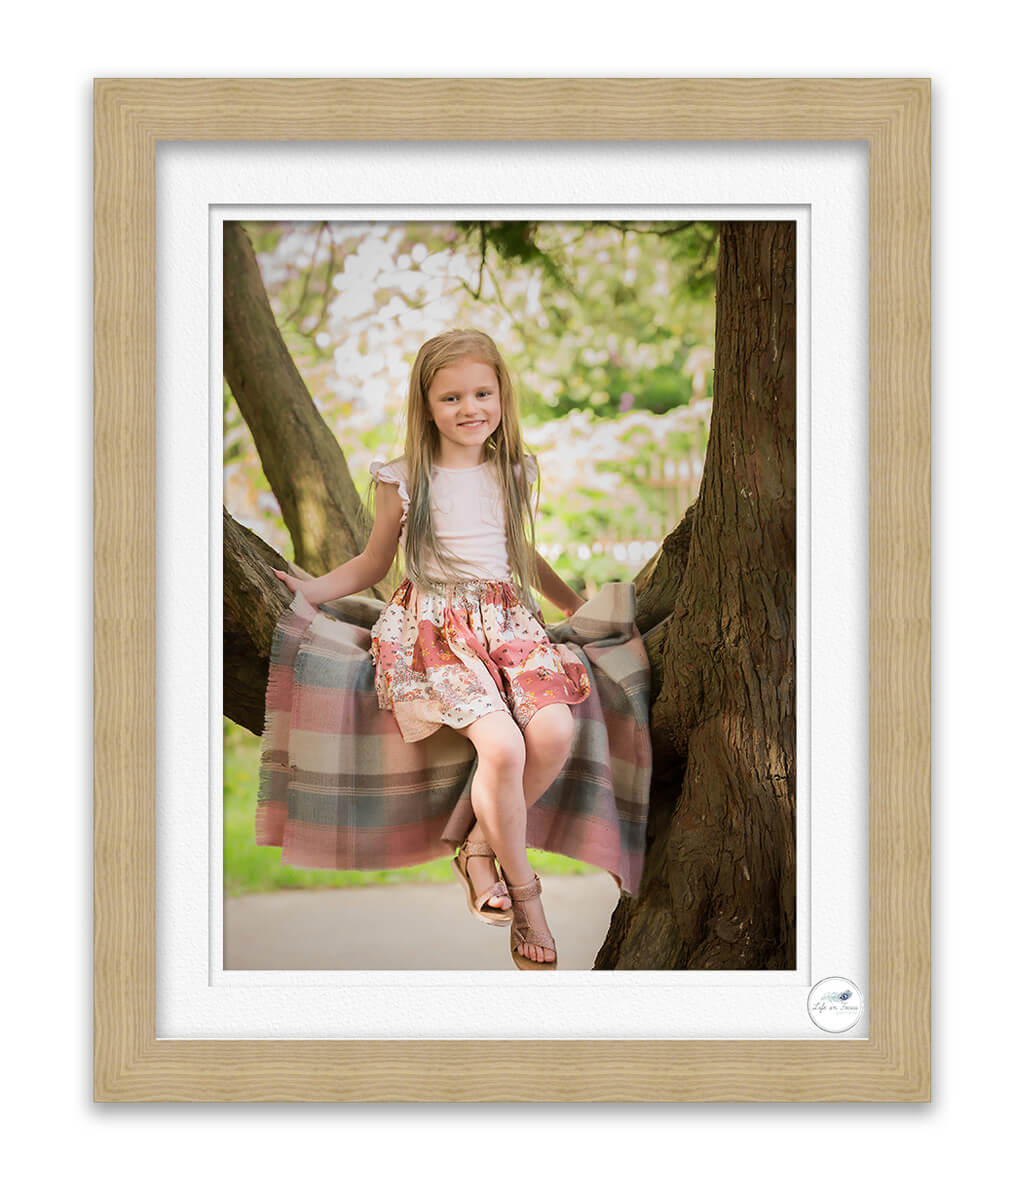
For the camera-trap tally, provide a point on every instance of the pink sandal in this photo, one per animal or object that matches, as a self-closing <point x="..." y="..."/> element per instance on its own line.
<point x="522" y="930"/>
<point x="479" y="906"/>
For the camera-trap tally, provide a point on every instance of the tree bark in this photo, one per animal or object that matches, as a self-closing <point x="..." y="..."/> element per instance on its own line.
<point x="301" y="458"/>
<point x="655" y="588"/>
<point x="658" y="580"/>
<point x="253" y="600"/>
<point x="719" y="886"/>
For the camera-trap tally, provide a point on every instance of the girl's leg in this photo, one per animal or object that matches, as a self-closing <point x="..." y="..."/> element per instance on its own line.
<point x="497" y="796"/>
<point x="548" y="738"/>
<point x="546" y="745"/>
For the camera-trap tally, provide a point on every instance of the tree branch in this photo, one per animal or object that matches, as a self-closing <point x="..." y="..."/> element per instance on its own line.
<point x="302" y="460"/>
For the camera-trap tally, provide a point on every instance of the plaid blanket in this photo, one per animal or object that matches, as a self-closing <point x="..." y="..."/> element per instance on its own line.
<point x="340" y="789"/>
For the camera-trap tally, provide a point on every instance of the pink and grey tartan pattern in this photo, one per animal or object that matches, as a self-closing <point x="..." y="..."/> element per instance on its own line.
<point x="341" y="789"/>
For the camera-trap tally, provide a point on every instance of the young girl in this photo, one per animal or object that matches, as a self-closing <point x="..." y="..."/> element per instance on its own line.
<point x="462" y="643"/>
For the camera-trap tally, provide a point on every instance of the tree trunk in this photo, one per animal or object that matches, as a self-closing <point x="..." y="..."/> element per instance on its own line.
<point x="301" y="458"/>
<point x="658" y="580"/>
<point x="719" y="884"/>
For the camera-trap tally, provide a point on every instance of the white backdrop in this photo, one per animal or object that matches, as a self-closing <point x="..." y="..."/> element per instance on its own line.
<point x="59" y="1139"/>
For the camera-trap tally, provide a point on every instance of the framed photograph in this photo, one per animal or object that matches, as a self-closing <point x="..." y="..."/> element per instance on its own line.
<point x="715" y="298"/>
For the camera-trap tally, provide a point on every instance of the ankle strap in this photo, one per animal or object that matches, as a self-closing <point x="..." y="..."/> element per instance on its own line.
<point x="476" y="850"/>
<point x="526" y="891"/>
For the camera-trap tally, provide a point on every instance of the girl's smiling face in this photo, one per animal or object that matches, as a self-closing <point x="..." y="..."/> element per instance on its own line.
<point x="464" y="402"/>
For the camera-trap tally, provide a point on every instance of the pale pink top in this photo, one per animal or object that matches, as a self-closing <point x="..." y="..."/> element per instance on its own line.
<point x="468" y="515"/>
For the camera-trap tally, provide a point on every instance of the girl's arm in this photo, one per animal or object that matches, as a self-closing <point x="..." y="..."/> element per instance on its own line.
<point x="553" y="588"/>
<point x="365" y="569"/>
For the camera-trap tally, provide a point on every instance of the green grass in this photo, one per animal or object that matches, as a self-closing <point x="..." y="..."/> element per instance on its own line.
<point x="253" y="868"/>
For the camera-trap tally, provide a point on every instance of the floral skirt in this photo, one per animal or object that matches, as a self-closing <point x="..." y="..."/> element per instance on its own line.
<point x="450" y="657"/>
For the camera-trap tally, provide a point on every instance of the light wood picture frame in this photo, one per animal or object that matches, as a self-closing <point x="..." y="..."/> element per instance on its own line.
<point x="131" y="116"/>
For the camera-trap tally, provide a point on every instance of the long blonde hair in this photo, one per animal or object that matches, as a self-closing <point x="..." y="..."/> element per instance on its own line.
<point x="504" y="449"/>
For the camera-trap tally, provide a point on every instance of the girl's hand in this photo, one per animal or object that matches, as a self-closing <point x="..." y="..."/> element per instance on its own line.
<point x="573" y="606"/>
<point x="295" y="585"/>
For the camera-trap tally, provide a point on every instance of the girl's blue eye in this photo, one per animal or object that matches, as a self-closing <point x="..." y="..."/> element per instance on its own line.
<point x="452" y="399"/>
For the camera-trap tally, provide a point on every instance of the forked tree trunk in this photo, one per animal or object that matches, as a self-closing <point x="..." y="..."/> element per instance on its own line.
<point x="719" y="889"/>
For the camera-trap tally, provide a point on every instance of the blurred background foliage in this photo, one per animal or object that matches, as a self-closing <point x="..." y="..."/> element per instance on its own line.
<point x="608" y="329"/>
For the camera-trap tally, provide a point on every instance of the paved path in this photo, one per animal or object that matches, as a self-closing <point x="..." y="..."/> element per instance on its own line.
<point x="405" y="927"/>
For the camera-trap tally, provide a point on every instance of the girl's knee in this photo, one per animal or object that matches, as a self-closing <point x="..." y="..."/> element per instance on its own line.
<point x="506" y="757"/>
<point x="502" y="748"/>
<point x="551" y="730"/>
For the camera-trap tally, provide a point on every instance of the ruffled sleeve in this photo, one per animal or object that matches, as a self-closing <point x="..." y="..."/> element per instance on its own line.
<point x="393" y="472"/>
